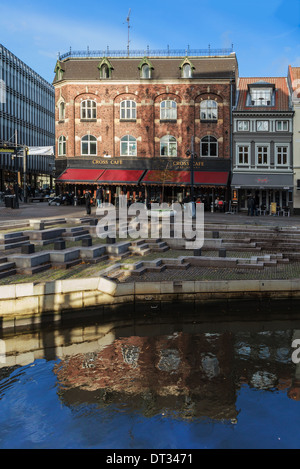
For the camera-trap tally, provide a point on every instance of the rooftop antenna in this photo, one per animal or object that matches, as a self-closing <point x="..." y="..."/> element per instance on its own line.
<point x="128" y="21"/>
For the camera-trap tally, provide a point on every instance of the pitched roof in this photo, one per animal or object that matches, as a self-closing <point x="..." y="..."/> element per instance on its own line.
<point x="281" y="94"/>
<point x="294" y="80"/>
<point x="164" y="68"/>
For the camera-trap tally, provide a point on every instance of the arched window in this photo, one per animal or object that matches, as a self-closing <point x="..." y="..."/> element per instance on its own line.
<point x="186" y="71"/>
<point x="61" y="110"/>
<point x="128" y="146"/>
<point x="62" y="145"/>
<point x="128" y="109"/>
<point x="168" y="146"/>
<point x="168" y="110"/>
<point x="89" y="145"/>
<point x="209" y="146"/>
<point x="146" y="71"/>
<point x="88" y="109"/>
<point x="209" y="110"/>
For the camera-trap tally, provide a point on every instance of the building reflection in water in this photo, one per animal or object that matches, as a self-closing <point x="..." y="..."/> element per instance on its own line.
<point x="186" y="370"/>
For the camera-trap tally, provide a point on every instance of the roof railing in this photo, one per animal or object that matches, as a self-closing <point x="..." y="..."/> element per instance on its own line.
<point x="146" y="52"/>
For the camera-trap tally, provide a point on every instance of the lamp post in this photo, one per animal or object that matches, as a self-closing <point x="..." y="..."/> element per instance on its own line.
<point x="192" y="155"/>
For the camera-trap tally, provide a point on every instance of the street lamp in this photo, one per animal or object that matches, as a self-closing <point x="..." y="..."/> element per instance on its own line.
<point x="193" y="156"/>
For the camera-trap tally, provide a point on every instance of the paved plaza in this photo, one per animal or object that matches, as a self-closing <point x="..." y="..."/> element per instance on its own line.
<point x="258" y="247"/>
<point x="43" y="210"/>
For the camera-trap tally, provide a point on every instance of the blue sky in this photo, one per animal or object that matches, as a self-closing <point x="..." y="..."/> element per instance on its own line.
<point x="265" y="33"/>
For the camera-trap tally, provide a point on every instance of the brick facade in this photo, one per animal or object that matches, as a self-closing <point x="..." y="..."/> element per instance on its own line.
<point x="148" y="129"/>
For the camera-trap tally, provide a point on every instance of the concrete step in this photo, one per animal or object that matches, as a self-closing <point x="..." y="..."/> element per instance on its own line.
<point x="258" y="265"/>
<point x="66" y="265"/>
<point x="8" y="247"/>
<point x="8" y="273"/>
<point x="14" y="240"/>
<point x="34" y="270"/>
<point x="7" y="266"/>
<point x="177" y="267"/>
<point x="95" y="260"/>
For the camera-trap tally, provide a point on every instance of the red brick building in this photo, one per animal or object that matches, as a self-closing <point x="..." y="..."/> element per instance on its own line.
<point x="127" y="124"/>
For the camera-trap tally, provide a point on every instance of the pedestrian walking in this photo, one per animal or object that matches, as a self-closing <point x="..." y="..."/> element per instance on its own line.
<point x="99" y="196"/>
<point x="88" y="202"/>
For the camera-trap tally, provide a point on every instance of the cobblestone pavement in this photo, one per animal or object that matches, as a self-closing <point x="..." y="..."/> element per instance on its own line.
<point x="43" y="210"/>
<point x="279" y="272"/>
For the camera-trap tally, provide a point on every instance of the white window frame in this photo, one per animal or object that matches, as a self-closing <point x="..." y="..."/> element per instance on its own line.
<point x="265" y="153"/>
<point x="209" y="110"/>
<point x="287" y="153"/>
<point x="243" y="126"/>
<point x="131" y="146"/>
<point x="261" y="96"/>
<point x="265" y="122"/>
<point x="168" y="142"/>
<point x="128" y="109"/>
<point x="88" y="105"/>
<point x="282" y="122"/>
<point x="91" y="140"/>
<point x="62" y="145"/>
<point x="209" y="144"/>
<point x="168" y="110"/>
<point x="243" y="146"/>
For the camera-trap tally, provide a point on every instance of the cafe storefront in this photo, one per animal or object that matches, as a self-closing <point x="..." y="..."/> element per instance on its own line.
<point x="146" y="179"/>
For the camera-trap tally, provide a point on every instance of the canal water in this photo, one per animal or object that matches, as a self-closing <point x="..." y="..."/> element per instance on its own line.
<point x="152" y="382"/>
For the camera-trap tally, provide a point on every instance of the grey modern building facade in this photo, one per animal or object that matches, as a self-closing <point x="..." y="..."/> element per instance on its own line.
<point x="262" y="163"/>
<point x="27" y="118"/>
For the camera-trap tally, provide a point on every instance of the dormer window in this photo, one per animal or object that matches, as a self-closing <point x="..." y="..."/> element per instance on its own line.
<point x="59" y="72"/>
<point x="260" y="94"/>
<point x="186" y="68"/>
<point x="145" y="68"/>
<point x="104" y="72"/>
<point x="105" y="69"/>
<point x="186" y="71"/>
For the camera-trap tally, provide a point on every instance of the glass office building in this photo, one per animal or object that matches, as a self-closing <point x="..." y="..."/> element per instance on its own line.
<point x="27" y="117"/>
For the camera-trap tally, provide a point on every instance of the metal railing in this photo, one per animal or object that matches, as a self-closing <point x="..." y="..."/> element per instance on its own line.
<point x="146" y="52"/>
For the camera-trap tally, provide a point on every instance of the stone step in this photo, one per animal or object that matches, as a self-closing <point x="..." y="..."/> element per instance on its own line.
<point x="8" y="273"/>
<point x="177" y="267"/>
<point x="95" y="260"/>
<point x="66" y="265"/>
<point x="159" y="249"/>
<point x="7" y="266"/>
<point x="258" y="265"/>
<point x="34" y="270"/>
<point x="14" y="240"/>
<point x="139" y="271"/>
<point x="7" y="247"/>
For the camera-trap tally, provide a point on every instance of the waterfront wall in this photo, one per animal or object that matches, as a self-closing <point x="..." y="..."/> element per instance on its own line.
<point x="24" y="305"/>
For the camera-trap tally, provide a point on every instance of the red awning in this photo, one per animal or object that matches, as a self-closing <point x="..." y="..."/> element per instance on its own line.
<point x="167" y="177"/>
<point x="121" y="176"/>
<point x="210" y="178"/>
<point x="79" y="175"/>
